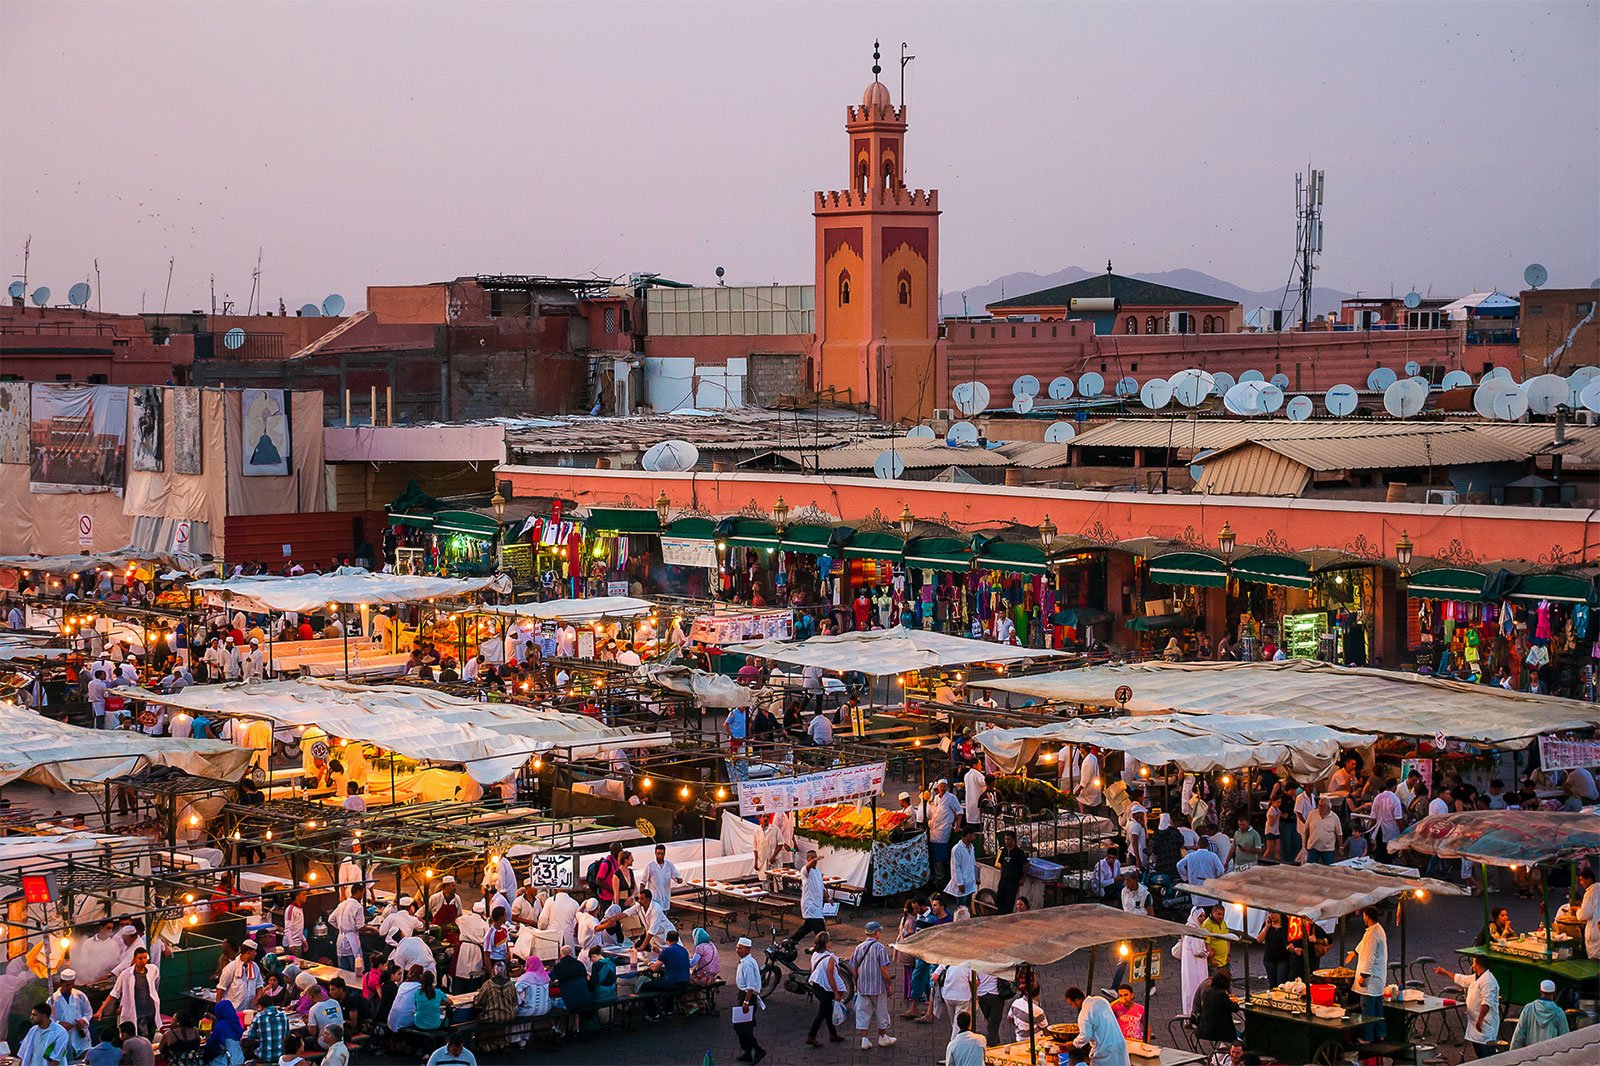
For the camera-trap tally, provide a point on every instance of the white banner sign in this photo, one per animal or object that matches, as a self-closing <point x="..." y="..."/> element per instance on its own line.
<point x="1558" y="754"/>
<point x="811" y="790"/>
<point x="684" y="551"/>
<point x="554" y="870"/>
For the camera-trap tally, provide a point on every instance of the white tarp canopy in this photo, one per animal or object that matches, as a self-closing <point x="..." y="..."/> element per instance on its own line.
<point x="54" y="754"/>
<point x="578" y="612"/>
<point x="490" y="740"/>
<point x="883" y="652"/>
<point x="28" y="646"/>
<point x="1197" y="743"/>
<point x="708" y="689"/>
<point x="1339" y="697"/>
<point x="307" y="593"/>
<point x="81" y="564"/>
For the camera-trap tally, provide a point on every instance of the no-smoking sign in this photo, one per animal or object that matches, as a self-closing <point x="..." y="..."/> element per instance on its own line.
<point x="85" y="530"/>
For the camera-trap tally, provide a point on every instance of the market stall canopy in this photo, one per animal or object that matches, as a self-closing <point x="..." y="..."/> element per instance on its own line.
<point x="56" y="755"/>
<point x="1579" y="1047"/>
<point x="1339" y="697"/>
<point x="578" y="612"/>
<point x="707" y="689"/>
<point x="999" y="943"/>
<point x="29" y="646"/>
<point x="1196" y="743"/>
<point x="308" y="593"/>
<point x="884" y="652"/>
<point x="489" y="740"/>
<point x="1504" y="838"/>
<point x="114" y="560"/>
<point x="1317" y="893"/>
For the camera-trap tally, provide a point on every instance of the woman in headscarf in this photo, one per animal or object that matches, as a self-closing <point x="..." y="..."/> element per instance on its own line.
<point x="1174" y="652"/>
<point x="705" y="961"/>
<point x="533" y="990"/>
<point x="222" y="1046"/>
<point x="602" y="977"/>
<point x="1194" y="958"/>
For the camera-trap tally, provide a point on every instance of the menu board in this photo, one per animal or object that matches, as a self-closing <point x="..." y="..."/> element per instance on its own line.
<point x="684" y="551"/>
<point x="1556" y="753"/>
<point x="811" y="790"/>
<point x="747" y="625"/>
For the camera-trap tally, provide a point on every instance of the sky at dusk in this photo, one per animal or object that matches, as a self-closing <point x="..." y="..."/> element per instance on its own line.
<point x="371" y="143"/>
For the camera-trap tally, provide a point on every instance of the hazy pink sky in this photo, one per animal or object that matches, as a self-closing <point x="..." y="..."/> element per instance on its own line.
<point x="360" y="143"/>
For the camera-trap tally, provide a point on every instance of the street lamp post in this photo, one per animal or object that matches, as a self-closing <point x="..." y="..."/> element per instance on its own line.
<point x="1047" y="534"/>
<point x="1227" y="540"/>
<point x="908" y="521"/>
<point x="663" y="508"/>
<point x="1402" y="553"/>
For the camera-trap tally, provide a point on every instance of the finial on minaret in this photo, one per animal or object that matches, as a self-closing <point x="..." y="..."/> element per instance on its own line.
<point x="876" y="69"/>
<point x="1108" y="266"/>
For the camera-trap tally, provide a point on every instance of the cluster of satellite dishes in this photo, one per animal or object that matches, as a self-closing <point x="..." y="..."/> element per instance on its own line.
<point x="77" y="296"/>
<point x="332" y="307"/>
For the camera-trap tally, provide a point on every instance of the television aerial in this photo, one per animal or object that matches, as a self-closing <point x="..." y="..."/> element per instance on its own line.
<point x="1026" y="385"/>
<point x="16" y="289"/>
<point x="1281" y="380"/>
<point x="1091" y="385"/>
<point x="1244" y="399"/>
<point x="1413" y="368"/>
<point x="233" y="340"/>
<point x="1060" y="432"/>
<point x="333" y="306"/>
<point x="78" y="295"/>
<point x="1299" y="409"/>
<point x="1499" y="373"/>
<point x="1156" y="393"/>
<point x="1340" y="400"/>
<point x="1269" y="397"/>
<point x="1535" y="275"/>
<point x="1500" y="398"/>
<point x="1381" y="378"/>
<point x="310" y="311"/>
<point x="1060" y="388"/>
<point x="1582" y="375"/>
<point x="889" y="466"/>
<point x="961" y="434"/>
<point x="41" y="296"/>
<point x="970" y="397"/>
<point x="1021" y="404"/>
<point x="1413" y="300"/>
<point x="669" y="456"/>
<point x="919" y="433"/>
<point x="1455" y="379"/>
<point x="1404" y="398"/>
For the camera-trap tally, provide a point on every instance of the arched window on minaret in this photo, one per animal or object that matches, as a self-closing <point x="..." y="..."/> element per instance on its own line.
<point x="844" y="287"/>
<point x="888" y="175"/>
<point x="904" y="287"/>
<point x="863" y="178"/>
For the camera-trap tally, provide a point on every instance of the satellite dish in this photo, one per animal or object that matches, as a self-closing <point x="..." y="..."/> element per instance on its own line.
<point x="1455" y="379"/>
<point x="1127" y="387"/>
<point x="1190" y="387"/>
<point x="1299" y="409"/>
<point x="1156" y="394"/>
<point x="1060" y="432"/>
<point x="970" y="397"/>
<point x="333" y="306"/>
<point x="41" y="296"/>
<point x="1026" y="385"/>
<point x="721" y="272"/>
<point x="1499" y="373"/>
<point x="1547" y="392"/>
<point x="1404" y="398"/>
<point x="1589" y="397"/>
<point x="1244" y="398"/>
<point x="1340" y="400"/>
<point x="233" y="340"/>
<point x="1252" y="375"/>
<point x="78" y="295"/>
<point x="1281" y="380"/>
<point x="1269" y="397"/>
<point x="1061" y="388"/>
<point x="1413" y="300"/>
<point x="16" y="289"/>
<point x="670" y="455"/>
<point x="1535" y="275"/>
<point x="1021" y="404"/>
<point x="1197" y="468"/>
<point x="962" y="433"/>
<point x="1381" y="379"/>
<point x="1221" y="382"/>
<point x="1413" y="368"/>
<point x="919" y="433"/>
<point x="889" y="466"/>
<point x="1483" y="396"/>
<point x="310" y="311"/>
<point x="1510" y="404"/>
<point x="1091" y="385"/>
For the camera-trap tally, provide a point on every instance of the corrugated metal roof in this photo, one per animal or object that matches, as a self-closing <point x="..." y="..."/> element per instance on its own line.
<point x="918" y="455"/>
<point x="1253" y="471"/>
<point x="1391" y="452"/>
<point x="1036" y="455"/>
<point x="1224" y="433"/>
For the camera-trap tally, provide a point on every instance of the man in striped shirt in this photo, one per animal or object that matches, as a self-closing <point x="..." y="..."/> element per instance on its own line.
<point x="871" y="963"/>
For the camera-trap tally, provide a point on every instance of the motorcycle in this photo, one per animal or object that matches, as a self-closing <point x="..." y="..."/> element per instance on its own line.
<point x="780" y="963"/>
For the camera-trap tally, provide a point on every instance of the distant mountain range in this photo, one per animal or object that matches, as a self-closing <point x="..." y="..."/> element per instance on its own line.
<point x="1322" y="300"/>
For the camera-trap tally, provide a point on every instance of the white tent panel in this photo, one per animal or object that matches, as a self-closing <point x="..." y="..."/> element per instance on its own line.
<point x="884" y="652"/>
<point x="578" y="612"/>
<point x="307" y="593"/>
<point x="57" y="755"/>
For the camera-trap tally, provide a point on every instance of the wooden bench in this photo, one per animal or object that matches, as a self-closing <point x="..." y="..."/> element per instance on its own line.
<point x="713" y="915"/>
<point x="692" y="1000"/>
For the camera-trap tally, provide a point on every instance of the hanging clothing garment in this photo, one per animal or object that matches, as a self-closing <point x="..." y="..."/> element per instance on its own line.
<point x="1541" y="629"/>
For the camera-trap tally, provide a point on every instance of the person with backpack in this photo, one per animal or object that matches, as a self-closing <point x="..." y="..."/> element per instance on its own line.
<point x="602" y="876"/>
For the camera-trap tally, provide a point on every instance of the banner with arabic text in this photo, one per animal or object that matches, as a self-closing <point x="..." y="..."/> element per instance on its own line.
<point x="811" y="790"/>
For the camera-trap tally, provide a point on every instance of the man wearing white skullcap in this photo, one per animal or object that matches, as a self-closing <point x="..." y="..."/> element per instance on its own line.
<point x="70" y="1009"/>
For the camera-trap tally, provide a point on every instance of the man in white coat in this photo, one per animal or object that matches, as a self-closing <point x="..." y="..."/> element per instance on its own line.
<point x="348" y="919"/>
<point x="943" y="812"/>
<point x="560" y="918"/>
<point x="1371" y="957"/>
<point x="973" y="784"/>
<point x="1589" y="912"/>
<point x="136" y="993"/>
<point x="963" y="881"/>
<point x="1194" y="959"/>
<point x="70" y="1009"/>
<point x="402" y="922"/>
<point x="1098" y="1030"/>
<point x="473" y="927"/>
<point x="241" y="979"/>
<point x="45" y="1043"/>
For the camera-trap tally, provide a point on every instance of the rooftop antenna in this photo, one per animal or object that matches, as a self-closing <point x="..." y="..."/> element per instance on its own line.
<point x="99" y="300"/>
<point x="27" y="250"/>
<point x="171" y="260"/>
<point x="904" y="59"/>
<point x="255" y="286"/>
<point x="1308" y="233"/>
<point x="213" y="296"/>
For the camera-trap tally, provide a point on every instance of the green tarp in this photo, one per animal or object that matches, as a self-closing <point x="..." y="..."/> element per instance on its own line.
<point x="1576" y="587"/>
<point x="873" y="545"/>
<point x="468" y="522"/>
<point x="1151" y="622"/>
<point x="622" y="520"/>
<point x="1189" y="568"/>
<point x="751" y="533"/>
<point x="939" y="553"/>
<point x="694" y="528"/>
<point x="1457" y="583"/>
<point x="1013" y="558"/>
<point x="808" y="540"/>
<point x="1271" y="568"/>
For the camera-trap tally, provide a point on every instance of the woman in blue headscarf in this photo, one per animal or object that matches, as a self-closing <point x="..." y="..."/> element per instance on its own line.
<point x="222" y="1046"/>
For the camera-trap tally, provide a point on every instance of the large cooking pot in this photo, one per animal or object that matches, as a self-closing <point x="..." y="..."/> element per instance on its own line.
<point x="1341" y="977"/>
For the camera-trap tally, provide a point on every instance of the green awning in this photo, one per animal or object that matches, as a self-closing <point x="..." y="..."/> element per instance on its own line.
<point x="622" y="520"/>
<point x="1575" y="587"/>
<point x="470" y="523"/>
<point x="870" y="544"/>
<point x="752" y="533"/>
<point x="1189" y="568"/>
<point x="1013" y="558"/>
<point x="1452" y="583"/>
<point x="1151" y="622"/>
<point x="1272" y="568"/>
<point x="693" y="528"/>
<point x="419" y="521"/>
<point x="939" y="553"/>
<point x="808" y="540"/>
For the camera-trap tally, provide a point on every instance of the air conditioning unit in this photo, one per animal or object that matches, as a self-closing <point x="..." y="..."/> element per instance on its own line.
<point x="1446" y="497"/>
<point x="1178" y="322"/>
<point x="944" y="414"/>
